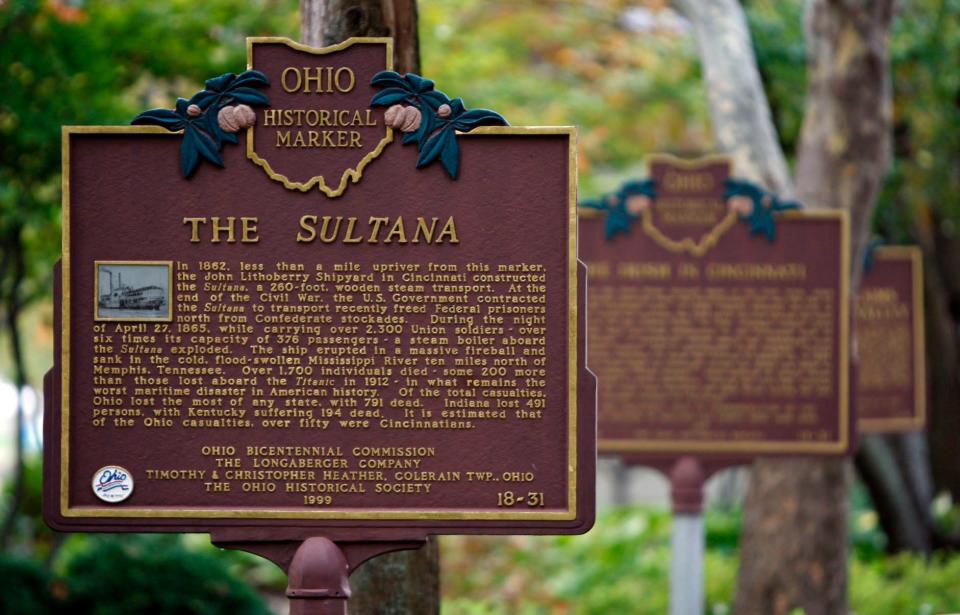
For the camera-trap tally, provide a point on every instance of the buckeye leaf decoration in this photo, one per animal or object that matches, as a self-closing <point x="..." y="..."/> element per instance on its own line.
<point x="440" y="118"/>
<point x="765" y="204"/>
<point x="619" y="218"/>
<point x="211" y="117"/>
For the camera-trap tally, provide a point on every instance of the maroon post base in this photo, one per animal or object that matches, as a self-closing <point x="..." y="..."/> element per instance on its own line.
<point x="317" y="581"/>
<point x="317" y="568"/>
<point x="687" y="478"/>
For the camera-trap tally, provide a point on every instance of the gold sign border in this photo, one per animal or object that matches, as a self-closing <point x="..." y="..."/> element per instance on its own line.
<point x="610" y="446"/>
<point x="573" y="355"/>
<point x="918" y="420"/>
<point x="351" y="174"/>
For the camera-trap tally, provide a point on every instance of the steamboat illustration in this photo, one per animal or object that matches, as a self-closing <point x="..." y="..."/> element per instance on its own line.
<point x="128" y="298"/>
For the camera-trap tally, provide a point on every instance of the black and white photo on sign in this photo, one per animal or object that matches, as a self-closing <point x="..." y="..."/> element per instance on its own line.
<point x="133" y="290"/>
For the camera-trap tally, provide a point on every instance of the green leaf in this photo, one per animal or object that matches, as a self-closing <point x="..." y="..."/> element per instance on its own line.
<point x="442" y="145"/>
<point x="212" y="126"/>
<point x="456" y="108"/>
<point x="250" y="96"/>
<point x="450" y="152"/>
<point x="428" y="123"/>
<point x="418" y="83"/>
<point x="221" y="83"/>
<point x="181" y="107"/>
<point x="250" y="78"/>
<point x="160" y="117"/>
<point x="389" y="96"/>
<point x="431" y="150"/>
<point x="203" y="99"/>
<point x="478" y="117"/>
<point x="189" y="157"/>
<point x="435" y="98"/>
<point x="205" y="145"/>
<point x="390" y="78"/>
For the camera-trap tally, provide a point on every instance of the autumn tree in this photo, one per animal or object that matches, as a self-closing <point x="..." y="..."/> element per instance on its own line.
<point x="794" y="544"/>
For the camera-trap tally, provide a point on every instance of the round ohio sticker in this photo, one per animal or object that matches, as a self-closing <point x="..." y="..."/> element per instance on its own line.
<point x="112" y="484"/>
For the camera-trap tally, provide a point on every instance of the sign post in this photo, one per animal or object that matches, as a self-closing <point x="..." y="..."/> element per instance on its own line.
<point x="687" y="542"/>
<point x="719" y="331"/>
<point x="320" y="310"/>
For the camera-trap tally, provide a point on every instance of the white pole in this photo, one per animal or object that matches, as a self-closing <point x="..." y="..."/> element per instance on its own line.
<point x="686" y="565"/>
<point x="687" y="537"/>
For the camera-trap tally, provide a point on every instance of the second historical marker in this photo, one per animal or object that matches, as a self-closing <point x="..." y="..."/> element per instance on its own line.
<point x="718" y="324"/>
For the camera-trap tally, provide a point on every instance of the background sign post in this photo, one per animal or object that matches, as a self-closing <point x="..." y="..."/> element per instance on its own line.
<point x="687" y="538"/>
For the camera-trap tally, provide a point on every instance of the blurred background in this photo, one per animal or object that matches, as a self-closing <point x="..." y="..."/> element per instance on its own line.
<point x="628" y="74"/>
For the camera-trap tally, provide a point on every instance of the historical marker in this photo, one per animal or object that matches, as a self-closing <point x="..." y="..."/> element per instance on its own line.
<point x="325" y="296"/>
<point x="888" y="319"/>
<point x="718" y="318"/>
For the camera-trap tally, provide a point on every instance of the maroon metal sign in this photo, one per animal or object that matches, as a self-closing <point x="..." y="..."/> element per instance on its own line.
<point x="708" y="340"/>
<point x="319" y="337"/>
<point x="888" y="321"/>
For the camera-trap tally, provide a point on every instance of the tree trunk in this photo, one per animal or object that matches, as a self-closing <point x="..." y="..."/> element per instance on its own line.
<point x="328" y="22"/>
<point x="405" y="581"/>
<point x="742" y="124"/>
<point x="794" y="545"/>
<point x="941" y="306"/>
<point x="401" y="583"/>
<point x="14" y="258"/>
<point x="843" y="157"/>
<point x="902" y="520"/>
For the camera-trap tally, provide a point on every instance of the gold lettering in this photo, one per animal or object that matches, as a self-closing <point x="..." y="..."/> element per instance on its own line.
<point x="376" y="223"/>
<point x="449" y="231"/>
<point x="218" y="228"/>
<point x="248" y="230"/>
<point x="350" y="83"/>
<point x="324" y="79"/>
<point x="397" y="230"/>
<point x="283" y="79"/>
<point x="423" y="230"/>
<point x="307" y="79"/>
<point x="305" y="224"/>
<point x="348" y="237"/>
<point x="324" y="237"/>
<point x="194" y="228"/>
<point x="688" y="182"/>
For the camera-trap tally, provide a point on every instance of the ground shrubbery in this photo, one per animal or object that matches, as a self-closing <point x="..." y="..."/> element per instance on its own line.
<point x="622" y="566"/>
<point x="123" y="574"/>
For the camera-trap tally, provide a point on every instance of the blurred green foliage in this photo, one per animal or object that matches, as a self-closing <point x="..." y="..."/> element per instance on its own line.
<point x="622" y="566"/>
<point x="98" y="62"/>
<point x="25" y="587"/>
<point x="630" y="82"/>
<point x="925" y="49"/>
<point x="118" y="575"/>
